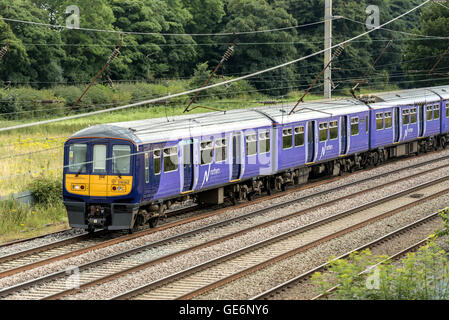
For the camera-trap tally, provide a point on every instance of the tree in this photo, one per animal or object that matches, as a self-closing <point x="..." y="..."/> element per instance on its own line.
<point x="420" y="56"/>
<point x="275" y="47"/>
<point x="35" y="54"/>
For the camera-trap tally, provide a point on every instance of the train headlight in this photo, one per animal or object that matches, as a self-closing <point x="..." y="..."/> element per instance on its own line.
<point x="78" y="187"/>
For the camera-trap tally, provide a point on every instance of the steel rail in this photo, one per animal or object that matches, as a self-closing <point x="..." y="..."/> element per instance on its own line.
<point x="281" y="237"/>
<point x="272" y="292"/>
<point x="266" y="209"/>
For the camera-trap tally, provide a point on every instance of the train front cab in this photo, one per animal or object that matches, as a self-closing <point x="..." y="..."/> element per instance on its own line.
<point x="99" y="183"/>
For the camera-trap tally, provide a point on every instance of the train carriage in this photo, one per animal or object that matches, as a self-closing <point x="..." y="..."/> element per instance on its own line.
<point x="121" y="175"/>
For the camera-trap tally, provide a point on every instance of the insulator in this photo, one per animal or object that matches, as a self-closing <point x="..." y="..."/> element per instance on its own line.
<point x="113" y="55"/>
<point x="3" y="51"/>
<point x="338" y="52"/>
<point x="228" y="53"/>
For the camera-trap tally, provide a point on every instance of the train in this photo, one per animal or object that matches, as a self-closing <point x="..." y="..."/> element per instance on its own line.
<point x="121" y="176"/>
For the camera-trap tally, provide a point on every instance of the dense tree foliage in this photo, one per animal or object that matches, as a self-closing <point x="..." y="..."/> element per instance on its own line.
<point x="44" y="56"/>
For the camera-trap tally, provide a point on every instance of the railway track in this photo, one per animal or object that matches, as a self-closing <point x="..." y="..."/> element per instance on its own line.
<point x="290" y="285"/>
<point x="106" y="269"/>
<point x="77" y="245"/>
<point x="207" y="276"/>
<point x="280" y="194"/>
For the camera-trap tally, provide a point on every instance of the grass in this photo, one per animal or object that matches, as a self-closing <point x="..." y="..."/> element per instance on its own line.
<point x="19" y="221"/>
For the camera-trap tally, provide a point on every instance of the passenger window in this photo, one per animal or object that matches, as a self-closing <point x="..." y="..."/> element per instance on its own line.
<point x="147" y="168"/>
<point x="379" y="121"/>
<point x="170" y="159"/>
<point x="287" y="138"/>
<point x="429" y="113"/>
<point x="121" y="159"/>
<point x="366" y="124"/>
<point x="388" y="120"/>
<point x="99" y="158"/>
<point x="323" y="131"/>
<point x="299" y="136"/>
<point x="436" y="111"/>
<point x="413" y="115"/>
<point x="251" y="144"/>
<point x="206" y="152"/>
<point x="333" y="131"/>
<point x="157" y="161"/>
<point x="78" y="158"/>
<point x="220" y="150"/>
<point x="447" y="110"/>
<point x="354" y="126"/>
<point x="264" y="142"/>
<point x="405" y="117"/>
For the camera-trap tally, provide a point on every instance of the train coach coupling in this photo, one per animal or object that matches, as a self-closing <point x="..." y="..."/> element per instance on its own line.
<point x="96" y="218"/>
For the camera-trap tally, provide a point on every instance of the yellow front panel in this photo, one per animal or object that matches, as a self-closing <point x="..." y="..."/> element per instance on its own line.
<point x="77" y="185"/>
<point x="98" y="186"/>
<point x="119" y="186"/>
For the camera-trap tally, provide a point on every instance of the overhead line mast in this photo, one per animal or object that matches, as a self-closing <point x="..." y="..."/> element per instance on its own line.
<point x="328" y="48"/>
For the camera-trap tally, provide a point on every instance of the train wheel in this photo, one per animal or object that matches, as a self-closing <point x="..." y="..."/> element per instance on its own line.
<point x="91" y="230"/>
<point x="153" y="222"/>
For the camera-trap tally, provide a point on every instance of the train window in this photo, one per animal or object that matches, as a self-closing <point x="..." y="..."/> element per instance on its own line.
<point x="121" y="159"/>
<point x="429" y="113"/>
<point x="388" y="120"/>
<point x="354" y="126"/>
<point x="287" y="138"/>
<point x="170" y="159"/>
<point x="251" y="144"/>
<point x="220" y="150"/>
<point x="366" y="124"/>
<point x="413" y="115"/>
<point x="333" y="130"/>
<point x="78" y="158"/>
<point x="436" y="111"/>
<point x="379" y="121"/>
<point x="157" y="161"/>
<point x="206" y="152"/>
<point x="264" y="142"/>
<point x="99" y="158"/>
<point x="323" y="131"/>
<point x="405" y="117"/>
<point x="147" y="168"/>
<point x="299" y="136"/>
<point x="447" y="110"/>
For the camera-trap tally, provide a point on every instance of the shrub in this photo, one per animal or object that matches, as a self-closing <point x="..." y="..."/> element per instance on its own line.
<point x="46" y="190"/>
<point x="422" y="275"/>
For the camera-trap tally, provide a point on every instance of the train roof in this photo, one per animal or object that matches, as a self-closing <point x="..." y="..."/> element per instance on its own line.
<point x="192" y="125"/>
<point x="410" y="97"/>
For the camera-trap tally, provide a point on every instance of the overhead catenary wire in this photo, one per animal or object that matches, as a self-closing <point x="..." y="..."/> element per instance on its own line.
<point x="217" y="84"/>
<point x="167" y="34"/>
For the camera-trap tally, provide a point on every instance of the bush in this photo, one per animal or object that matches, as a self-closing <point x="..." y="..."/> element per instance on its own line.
<point x="46" y="190"/>
<point x="422" y="275"/>
<point x="40" y="102"/>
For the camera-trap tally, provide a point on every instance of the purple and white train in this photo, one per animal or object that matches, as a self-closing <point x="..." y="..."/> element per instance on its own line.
<point x="122" y="175"/>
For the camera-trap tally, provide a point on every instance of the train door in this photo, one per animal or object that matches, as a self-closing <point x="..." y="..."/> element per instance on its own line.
<point x="344" y="135"/>
<point x="310" y="141"/>
<point x="397" y="126"/>
<point x="236" y="156"/>
<point x="188" y="165"/>
<point x="421" y="120"/>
